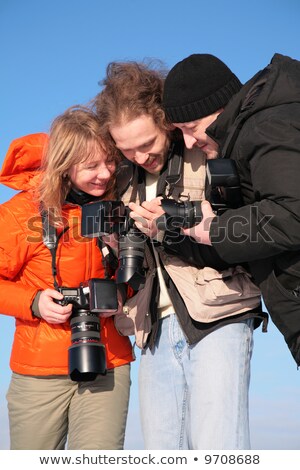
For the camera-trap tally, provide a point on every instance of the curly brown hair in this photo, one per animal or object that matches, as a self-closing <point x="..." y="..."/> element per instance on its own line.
<point x="130" y="89"/>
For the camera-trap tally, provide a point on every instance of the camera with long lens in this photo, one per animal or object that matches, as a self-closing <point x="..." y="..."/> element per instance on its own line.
<point x="87" y="357"/>
<point x="224" y="192"/>
<point x="106" y="217"/>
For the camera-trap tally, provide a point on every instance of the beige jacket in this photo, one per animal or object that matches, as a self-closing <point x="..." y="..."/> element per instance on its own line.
<point x="209" y="295"/>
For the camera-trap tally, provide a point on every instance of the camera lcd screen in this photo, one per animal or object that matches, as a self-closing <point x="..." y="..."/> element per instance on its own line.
<point x="70" y="292"/>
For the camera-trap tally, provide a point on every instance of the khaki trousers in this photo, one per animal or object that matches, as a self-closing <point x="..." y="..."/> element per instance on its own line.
<point x="46" y="412"/>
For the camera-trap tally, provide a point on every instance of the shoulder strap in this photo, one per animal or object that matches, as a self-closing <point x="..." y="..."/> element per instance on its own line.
<point x="50" y="240"/>
<point x="172" y="174"/>
<point x="109" y="260"/>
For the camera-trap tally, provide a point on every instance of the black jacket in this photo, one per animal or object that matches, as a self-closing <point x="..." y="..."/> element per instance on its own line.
<point x="260" y="130"/>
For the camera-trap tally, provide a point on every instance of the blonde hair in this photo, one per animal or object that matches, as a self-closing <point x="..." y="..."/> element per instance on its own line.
<point x="74" y="137"/>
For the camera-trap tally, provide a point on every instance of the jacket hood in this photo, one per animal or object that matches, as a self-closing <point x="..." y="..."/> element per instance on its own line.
<point x="20" y="169"/>
<point x="275" y="85"/>
<point x="282" y="85"/>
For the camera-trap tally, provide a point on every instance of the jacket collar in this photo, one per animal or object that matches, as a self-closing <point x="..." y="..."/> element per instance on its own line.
<point x="79" y="197"/>
<point x="241" y="103"/>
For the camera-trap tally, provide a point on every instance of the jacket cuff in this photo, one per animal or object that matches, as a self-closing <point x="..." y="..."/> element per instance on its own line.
<point x="35" y="305"/>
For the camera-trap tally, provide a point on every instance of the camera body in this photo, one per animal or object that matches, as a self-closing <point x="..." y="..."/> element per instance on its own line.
<point x="72" y="295"/>
<point x="106" y="217"/>
<point x="87" y="354"/>
<point x="224" y="192"/>
<point x="98" y="295"/>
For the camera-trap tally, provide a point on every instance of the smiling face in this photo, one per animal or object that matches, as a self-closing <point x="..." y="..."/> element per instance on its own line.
<point x="93" y="174"/>
<point x="195" y="136"/>
<point x="142" y="142"/>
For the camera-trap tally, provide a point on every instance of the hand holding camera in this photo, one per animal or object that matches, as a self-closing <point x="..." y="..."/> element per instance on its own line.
<point x="200" y="232"/>
<point x="145" y="216"/>
<point x="49" y="309"/>
<point x="87" y="353"/>
<point x="223" y="193"/>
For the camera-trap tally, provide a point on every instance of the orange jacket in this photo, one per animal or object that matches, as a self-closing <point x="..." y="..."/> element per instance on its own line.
<point x="40" y="348"/>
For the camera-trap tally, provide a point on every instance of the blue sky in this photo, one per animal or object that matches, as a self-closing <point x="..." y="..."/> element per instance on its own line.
<point x="53" y="54"/>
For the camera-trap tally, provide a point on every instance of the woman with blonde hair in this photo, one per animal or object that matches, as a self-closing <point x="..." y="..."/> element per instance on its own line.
<point x="56" y="175"/>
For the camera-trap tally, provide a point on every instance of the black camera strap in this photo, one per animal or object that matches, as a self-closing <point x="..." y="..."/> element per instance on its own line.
<point x="172" y="174"/>
<point x="50" y="240"/>
<point x="109" y="260"/>
<point x="135" y="184"/>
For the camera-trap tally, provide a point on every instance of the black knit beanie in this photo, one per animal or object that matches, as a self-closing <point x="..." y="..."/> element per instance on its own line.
<point x="197" y="87"/>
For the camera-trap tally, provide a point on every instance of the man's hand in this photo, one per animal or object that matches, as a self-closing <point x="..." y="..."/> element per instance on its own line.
<point x="112" y="240"/>
<point x="145" y="216"/>
<point x="200" y="232"/>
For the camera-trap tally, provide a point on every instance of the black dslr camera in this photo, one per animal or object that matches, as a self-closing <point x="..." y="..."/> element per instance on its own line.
<point x="224" y="193"/>
<point x="87" y="354"/>
<point x="107" y="217"/>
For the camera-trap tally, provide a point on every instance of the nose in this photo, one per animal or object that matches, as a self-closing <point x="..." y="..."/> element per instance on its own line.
<point x="140" y="158"/>
<point x="104" y="173"/>
<point x="189" y="140"/>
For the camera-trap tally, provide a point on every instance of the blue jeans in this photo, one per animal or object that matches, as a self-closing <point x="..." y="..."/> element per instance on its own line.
<point x="196" y="397"/>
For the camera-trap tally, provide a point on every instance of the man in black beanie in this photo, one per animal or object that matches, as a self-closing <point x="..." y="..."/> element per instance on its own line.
<point x="258" y="126"/>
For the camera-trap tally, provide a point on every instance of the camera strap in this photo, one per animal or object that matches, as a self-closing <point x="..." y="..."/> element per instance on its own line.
<point x="50" y="240"/>
<point x="109" y="260"/>
<point x="172" y="175"/>
<point x="135" y="184"/>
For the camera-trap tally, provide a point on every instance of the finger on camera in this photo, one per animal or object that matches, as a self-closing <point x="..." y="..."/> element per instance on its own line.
<point x="62" y="309"/>
<point x="153" y="206"/>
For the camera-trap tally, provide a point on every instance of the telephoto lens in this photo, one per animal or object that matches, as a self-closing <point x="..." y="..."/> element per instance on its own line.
<point x="87" y="356"/>
<point x="87" y="353"/>
<point x="131" y="259"/>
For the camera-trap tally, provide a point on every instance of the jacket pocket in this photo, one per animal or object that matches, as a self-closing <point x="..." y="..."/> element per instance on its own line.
<point x="210" y="295"/>
<point x="220" y="287"/>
